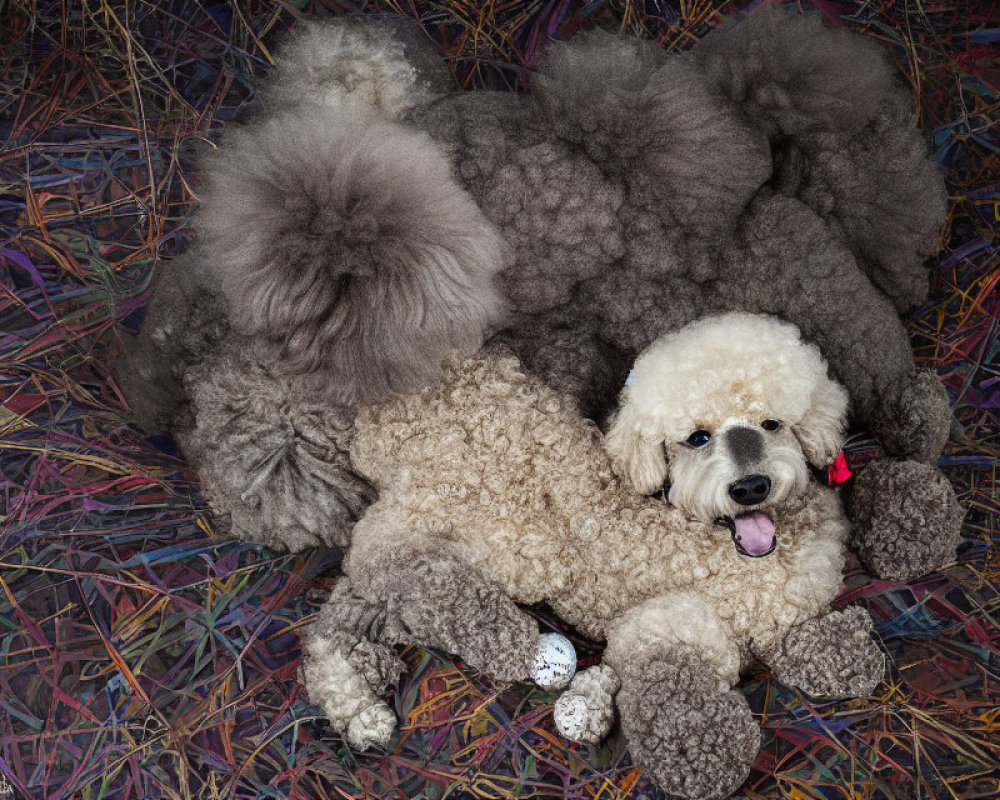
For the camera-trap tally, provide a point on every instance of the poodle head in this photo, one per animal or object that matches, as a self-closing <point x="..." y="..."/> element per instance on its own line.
<point x="729" y="411"/>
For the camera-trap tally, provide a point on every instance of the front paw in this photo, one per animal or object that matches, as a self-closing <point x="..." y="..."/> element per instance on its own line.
<point x="831" y="656"/>
<point x="906" y="520"/>
<point x="586" y="711"/>
<point x="341" y="685"/>
<point x="372" y="727"/>
<point x="693" y="734"/>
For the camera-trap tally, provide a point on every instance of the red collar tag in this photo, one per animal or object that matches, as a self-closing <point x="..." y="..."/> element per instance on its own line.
<point x="838" y="472"/>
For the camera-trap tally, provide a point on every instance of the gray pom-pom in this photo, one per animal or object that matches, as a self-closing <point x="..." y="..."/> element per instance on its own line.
<point x="272" y="452"/>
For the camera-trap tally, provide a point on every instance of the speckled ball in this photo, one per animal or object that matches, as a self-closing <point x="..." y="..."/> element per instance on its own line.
<point x="555" y="661"/>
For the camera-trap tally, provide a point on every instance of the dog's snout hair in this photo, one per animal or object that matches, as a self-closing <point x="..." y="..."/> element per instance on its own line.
<point x="746" y="446"/>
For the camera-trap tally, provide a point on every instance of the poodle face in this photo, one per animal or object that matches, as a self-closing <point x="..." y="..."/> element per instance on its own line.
<point x="730" y="411"/>
<point x="734" y="474"/>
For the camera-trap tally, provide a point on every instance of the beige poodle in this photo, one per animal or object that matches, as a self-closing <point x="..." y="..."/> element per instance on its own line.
<point x="494" y="489"/>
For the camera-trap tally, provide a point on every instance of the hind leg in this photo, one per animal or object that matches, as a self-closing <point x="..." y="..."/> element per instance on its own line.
<point x="433" y="598"/>
<point x="437" y="602"/>
<point x="443" y="603"/>
<point x="839" y="126"/>
<point x="346" y="668"/>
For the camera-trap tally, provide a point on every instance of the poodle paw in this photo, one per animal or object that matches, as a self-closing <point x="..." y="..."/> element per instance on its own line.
<point x="378" y="665"/>
<point x="917" y="422"/>
<point x="555" y="661"/>
<point x="372" y="727"/>
<point x="587" y="709"/>
<point x="906" y="519"/>
<point x="831" y="656"/>
<point x="337" y="681"/>
<point x="694" y="735"/>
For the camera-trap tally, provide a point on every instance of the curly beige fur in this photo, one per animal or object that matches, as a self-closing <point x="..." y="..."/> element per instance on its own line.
<point x="497" y="470"/>
<point x="494" y="470"/>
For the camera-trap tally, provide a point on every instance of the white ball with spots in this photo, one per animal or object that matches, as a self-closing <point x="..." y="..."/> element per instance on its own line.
<point x="555" y="661"/>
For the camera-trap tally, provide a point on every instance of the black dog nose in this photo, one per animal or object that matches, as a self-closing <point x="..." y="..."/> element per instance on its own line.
<point x="751" y="490"/>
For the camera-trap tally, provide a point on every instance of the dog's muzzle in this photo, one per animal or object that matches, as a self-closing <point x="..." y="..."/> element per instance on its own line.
<point x="753" y="533"/>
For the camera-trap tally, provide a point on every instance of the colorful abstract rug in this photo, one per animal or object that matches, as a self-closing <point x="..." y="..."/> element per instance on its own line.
<point x="143" y="657"/>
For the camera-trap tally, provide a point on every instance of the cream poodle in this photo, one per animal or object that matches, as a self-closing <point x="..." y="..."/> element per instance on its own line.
<point x="495" y="489"/>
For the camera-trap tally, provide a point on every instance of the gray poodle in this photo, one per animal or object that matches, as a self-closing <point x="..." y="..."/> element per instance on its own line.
<point x="371" y="219"/>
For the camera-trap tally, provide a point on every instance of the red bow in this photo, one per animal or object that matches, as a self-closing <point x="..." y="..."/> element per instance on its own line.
<point x="838" y="472"/>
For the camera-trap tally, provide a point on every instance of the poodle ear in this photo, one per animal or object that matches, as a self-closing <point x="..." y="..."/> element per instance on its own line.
<point x="641" y="460"/>
<point x="821" y="431"/>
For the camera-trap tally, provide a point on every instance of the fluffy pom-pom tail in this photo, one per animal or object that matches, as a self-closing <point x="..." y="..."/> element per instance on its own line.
<point x="344" y="239"/>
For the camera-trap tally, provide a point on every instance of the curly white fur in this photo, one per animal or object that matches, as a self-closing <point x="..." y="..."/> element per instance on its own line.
<point x="716" y="373"/>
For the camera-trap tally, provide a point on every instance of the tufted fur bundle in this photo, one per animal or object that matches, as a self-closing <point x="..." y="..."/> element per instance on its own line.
<point x="353" y="65"/>
<point x="365" y="261"/>
<point x="272" y="450"/>
<point x="629" y="194"/>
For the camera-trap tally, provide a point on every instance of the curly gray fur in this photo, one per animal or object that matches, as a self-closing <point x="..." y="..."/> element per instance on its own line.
<point x="444" y="603"/>
<point x="831" y="656"/>
<point x="694" y="734"/>
<point x="906" y="518"/>
<point x="913" y="424"/>
<point x="565" y="348"/>
<point x="272" y="450"/>
<point x="356" y="629"/>
<point x="366" y="261"/>
<point x="829" y="101"/>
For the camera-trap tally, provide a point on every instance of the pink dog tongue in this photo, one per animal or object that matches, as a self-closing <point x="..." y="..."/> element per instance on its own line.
<point x="755" y="533"/>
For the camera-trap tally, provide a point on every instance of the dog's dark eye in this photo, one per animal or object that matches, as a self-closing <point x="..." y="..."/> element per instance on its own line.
<point x="698" y="438"/>
<point x="770" y="424"/>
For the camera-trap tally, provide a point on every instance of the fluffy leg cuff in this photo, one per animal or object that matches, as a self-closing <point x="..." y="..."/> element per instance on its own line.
<point x="832" y="656"/>
<point x="586" y="711"/>
<point x="694" y="735"/>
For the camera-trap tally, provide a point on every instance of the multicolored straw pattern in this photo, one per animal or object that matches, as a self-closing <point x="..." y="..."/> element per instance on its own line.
<point x="142" y="656"/>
